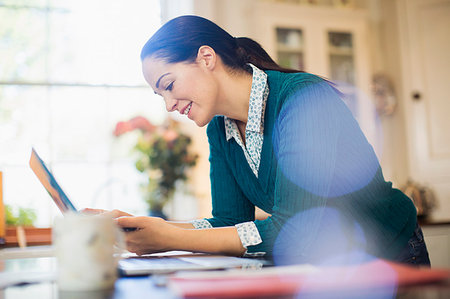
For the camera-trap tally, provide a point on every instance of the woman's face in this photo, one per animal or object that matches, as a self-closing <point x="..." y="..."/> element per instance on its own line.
<point x="188" y="88"/>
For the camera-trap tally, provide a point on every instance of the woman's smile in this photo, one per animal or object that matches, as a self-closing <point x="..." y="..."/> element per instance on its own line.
<point x="186" y="109"/>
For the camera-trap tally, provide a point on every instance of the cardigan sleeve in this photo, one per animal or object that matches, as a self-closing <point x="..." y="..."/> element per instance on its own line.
<point x="314" y="163"/>
<point x="229" y="204"/>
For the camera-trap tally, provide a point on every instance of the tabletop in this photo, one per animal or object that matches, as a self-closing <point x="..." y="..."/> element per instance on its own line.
<point x="40" y="271"/>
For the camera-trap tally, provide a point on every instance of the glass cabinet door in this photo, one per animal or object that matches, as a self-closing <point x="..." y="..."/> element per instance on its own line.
<point x="342" y="67"/>
<point x="290" y="48"/>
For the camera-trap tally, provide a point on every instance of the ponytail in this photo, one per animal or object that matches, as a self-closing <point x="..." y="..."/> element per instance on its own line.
<point x="249" y="51"/>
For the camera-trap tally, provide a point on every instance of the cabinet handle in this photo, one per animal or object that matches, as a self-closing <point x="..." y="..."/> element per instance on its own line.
<point x="416" y="96"/>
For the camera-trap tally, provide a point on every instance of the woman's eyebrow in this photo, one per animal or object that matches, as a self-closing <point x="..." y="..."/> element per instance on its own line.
<point x="157" y="82"/>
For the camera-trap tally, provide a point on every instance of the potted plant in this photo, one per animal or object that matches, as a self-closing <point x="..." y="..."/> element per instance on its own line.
<point x="162" y="155"/>
<point x="20" y="229"/>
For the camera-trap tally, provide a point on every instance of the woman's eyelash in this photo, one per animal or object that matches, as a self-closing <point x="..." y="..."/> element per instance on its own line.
<point x="170" y="86"/>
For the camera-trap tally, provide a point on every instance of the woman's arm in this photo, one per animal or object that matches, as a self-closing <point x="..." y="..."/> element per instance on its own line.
<point x="181" y="224"/>
<point x="157" y="235"/>
<point x="118" y="213"/>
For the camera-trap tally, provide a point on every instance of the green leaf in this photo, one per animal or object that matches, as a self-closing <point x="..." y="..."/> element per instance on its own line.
<point x="26" y="216"/>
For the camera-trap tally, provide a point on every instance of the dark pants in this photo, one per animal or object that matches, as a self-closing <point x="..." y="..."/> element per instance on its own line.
<point x="415" y="252"/>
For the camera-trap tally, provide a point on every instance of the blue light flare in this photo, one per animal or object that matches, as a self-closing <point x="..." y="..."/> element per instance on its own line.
<point x="320" y="146"/>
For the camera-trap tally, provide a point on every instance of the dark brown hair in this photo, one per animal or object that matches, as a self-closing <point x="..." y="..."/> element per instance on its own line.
<point x="179" y="39"/>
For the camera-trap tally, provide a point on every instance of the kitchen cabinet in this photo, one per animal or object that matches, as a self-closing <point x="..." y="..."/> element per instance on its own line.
<point x="437" y="238"/>
<point x="325" y="41"/>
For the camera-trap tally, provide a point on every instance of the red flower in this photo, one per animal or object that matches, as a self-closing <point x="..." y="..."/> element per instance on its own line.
<point x="170" y="135"/>
<point x="138" y="122"/>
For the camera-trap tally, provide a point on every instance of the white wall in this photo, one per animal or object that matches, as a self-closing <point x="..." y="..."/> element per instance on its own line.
<point x="385" y="57"/>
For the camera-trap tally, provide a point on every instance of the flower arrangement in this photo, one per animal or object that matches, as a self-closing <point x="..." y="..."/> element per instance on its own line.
<point x="162" y="154"/>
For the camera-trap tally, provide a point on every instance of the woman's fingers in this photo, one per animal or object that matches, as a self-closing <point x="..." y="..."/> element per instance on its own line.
<point x="93" y="211"/>
<point x="149" y="236"/>
<point x="117" y="214"/>
<point x="112" y="214"/>
<point x="132" y="227"/>
<point x="129" y="222"/>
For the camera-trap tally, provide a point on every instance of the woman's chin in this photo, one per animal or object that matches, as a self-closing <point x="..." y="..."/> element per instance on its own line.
<point x="201" y="122"/>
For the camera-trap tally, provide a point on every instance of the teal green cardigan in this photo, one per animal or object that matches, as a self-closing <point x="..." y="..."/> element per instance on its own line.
<point x="314" y="156"/>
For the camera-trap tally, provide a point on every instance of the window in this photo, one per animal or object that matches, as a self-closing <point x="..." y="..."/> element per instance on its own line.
<point x="70" y="70"/>
<point x="290" y="48"/>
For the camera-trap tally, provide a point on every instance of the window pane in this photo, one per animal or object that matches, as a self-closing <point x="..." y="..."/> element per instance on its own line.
<point x="290" y="48"/>
<point x="22" y="44"/>
<point x="121" y="190"/>
<point x="78" y="121"/>
<point x="24" y="122"/>
<point x="104" y="49"/>
<point x="342" y="40"/>
<point x="291" y="60"/>
<point x="83" y="119"/>
<point x="342" y="68"/>
<point x="21" y="3"/>
<point x="288" y="37"/>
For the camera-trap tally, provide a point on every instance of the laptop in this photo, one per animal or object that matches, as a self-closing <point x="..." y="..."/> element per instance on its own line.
<point x="48" y="181"/>
<point x="132" y="265"/>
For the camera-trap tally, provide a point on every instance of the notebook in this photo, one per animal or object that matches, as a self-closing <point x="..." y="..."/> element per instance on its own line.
<point x="133" y="265"/>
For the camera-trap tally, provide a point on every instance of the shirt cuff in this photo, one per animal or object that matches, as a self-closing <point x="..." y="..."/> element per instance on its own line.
<point x="249" y="235"/>
<point x="201" y="223"/>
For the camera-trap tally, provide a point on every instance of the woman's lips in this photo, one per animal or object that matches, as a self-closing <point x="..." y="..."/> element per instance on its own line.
<point x="187" y="109"/>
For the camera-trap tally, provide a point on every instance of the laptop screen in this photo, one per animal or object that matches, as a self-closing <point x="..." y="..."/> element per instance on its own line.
<point x="47" y="179"/>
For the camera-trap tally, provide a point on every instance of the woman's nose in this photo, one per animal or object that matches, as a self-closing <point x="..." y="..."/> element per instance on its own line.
<point x="171" y="104"/>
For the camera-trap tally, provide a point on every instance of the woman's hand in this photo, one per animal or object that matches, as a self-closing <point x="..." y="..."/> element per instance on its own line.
<point x="114" y="213"/>
<point x="152" y="234"/>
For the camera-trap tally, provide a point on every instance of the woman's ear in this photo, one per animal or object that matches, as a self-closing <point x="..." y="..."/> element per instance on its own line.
<point x="207" y="56"/>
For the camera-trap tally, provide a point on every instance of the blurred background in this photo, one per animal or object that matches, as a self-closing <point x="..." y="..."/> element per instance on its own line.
<point x="70" y="71"/>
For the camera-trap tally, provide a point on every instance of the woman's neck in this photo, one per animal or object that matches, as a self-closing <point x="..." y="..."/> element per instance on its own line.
<point x="235" y="95"/>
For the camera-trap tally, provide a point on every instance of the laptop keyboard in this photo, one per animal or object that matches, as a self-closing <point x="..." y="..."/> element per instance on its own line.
<point x="156" y="263"/>
<point x="159" y="265"/>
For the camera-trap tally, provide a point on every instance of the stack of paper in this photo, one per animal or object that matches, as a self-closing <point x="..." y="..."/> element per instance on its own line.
<point x="377" y="276"/>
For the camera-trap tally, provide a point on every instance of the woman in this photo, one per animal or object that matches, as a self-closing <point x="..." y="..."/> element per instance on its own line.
<point x="280" y="140"/>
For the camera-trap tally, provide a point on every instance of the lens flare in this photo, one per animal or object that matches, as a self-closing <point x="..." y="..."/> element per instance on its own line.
<point x="319" y="144"/>
<point x="321" y="236"/>
<point x="330" y="240"/>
